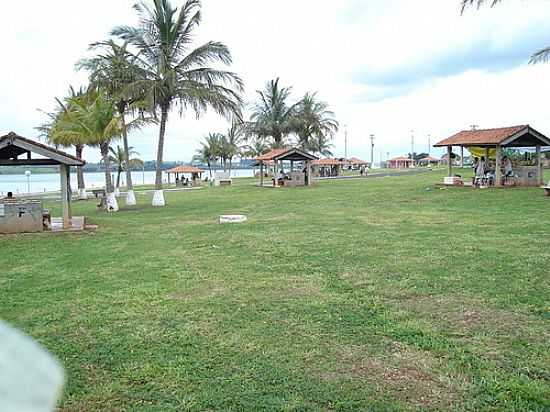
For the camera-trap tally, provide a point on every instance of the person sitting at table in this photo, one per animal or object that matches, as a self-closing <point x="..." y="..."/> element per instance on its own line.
<point x="480" y="169"/>
<point x="9" y="197"/>
<point x="508" y="169"/>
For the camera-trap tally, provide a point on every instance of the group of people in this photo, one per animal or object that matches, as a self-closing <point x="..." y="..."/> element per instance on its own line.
<point x="485" y="170"/>
<point x="9" y="197"/>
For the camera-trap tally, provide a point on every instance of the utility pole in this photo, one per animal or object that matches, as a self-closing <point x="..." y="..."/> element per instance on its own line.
<point x="372" y="151"/>
<point x="429" y="144"/>
<point x="412" y="144"/>
<point x="346" y="141"/>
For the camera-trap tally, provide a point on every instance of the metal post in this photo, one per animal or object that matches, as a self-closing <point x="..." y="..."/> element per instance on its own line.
<point x="372" y="150"/>
<point x="345" y="141"/>
<point x="450" y="161"/>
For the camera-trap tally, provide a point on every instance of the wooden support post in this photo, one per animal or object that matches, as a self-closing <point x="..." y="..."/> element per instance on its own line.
<point x="450" y="160"/>
<point x="462" y="157"/>
<point x="498" y="162"/>
<point x="275" y="174"/>
<point x="486" y="156"/>
<point x="540" y="170"/>
<point x="308" y="171"/>
<point x="64" y="172"/>
<point x="291" y="166"/>
<point x="261" y="174"/>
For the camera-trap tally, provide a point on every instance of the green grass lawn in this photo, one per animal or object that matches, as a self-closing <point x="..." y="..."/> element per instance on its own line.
<point x="369" y="294"/>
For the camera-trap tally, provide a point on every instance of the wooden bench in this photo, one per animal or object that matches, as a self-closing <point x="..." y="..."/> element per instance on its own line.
<point x="546" y="190"/>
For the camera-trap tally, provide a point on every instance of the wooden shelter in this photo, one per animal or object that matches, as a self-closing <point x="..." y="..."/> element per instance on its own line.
<point x="429" y="160"/>
<point x="13" y="146"/>
<point x="401" y="162"/>
<point x="328" y="167"/>
<point x="292" y="156"/>
<point x="496" y="139"/>
<point x="356" y="162"/>
<point x="195" y="172"/>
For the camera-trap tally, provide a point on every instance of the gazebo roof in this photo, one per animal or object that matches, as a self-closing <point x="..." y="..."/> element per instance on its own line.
<point x="327" y="162"/>
<point x="515" y="136"/>
<point x="13" y="145"/>
<point x="401" y="159"/>
<point x="429" y="159"/>
<point x="286" y="154"/>
<point x="357" y="161"/>
<point x="185" y="169"/>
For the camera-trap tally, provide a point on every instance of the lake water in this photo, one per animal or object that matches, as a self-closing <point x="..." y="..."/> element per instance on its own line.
<point x="50" y="182"/>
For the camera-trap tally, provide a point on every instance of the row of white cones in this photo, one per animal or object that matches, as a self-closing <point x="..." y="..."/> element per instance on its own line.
<point x="112" y="203"/>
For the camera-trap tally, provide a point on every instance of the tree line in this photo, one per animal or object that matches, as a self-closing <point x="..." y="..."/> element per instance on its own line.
<point x="143" y="74"/>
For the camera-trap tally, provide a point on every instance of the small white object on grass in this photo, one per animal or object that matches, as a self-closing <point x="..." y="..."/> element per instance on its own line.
<point x="31" y="380"/>
<point x="233" y="219"/>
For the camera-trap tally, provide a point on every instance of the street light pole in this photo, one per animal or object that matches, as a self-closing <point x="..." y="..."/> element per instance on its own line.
<point x="412" y="144"/>
<point x="346" y="141"/>
<point x="372" y="151"/>
<point x="28" y="174"/>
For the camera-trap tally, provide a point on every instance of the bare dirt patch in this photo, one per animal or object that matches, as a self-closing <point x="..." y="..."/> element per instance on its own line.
<point x="404" y="373"/>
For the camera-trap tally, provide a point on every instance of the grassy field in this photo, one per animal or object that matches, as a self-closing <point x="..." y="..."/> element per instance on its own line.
<point x="379" y="294"/>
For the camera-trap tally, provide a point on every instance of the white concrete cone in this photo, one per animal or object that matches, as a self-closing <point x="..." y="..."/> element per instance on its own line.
<point x="117" y="192"/>
<point x="158" y="199"/>
<point x="131" y="198"/>
<point x="112" y="204"/>
<point x="82" y="194"/>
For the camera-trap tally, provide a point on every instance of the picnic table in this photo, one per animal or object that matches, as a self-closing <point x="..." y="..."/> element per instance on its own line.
<point x="546" y="190"/>
<point x="98" y="193"/>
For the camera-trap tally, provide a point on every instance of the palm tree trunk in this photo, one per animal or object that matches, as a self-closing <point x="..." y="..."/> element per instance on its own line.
<point x="119" y="172"/>
<point x="129" y="184"/>
<point x="111" y="204"/>
<point x="160" y="148"/>
<point x="80" y="173"/>
<point x="158" y="197"/>
<point x="107" y="163"/>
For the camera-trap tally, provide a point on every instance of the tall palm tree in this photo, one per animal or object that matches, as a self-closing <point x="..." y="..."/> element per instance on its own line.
<point x="542" y="56"/>
<point x="94" y="120"/>
<point x="209" y="152"/>
<point x="314" y="120"/>
<point x="256" y="147"/>
<point x="272" y="114"/>
<point x="232" y="144"/>
<point x="321" y="145"/>
<point x="173" y="74"/>
<point x="113" y="70"/>
<point x="62" y="113"/>
<point x="124" y="162"/>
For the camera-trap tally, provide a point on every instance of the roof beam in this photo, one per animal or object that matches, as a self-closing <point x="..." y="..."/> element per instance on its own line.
<point x="28" y="162"/>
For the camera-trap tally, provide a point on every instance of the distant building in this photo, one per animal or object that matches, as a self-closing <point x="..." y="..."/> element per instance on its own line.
<point x="401" y="162"/>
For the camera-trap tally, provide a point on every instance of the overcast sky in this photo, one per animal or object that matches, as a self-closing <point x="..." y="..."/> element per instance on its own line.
<point x="386" y="67"/>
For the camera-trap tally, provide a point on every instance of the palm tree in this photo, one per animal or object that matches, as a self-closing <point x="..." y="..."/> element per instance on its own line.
<point x="272" y="115"/>
<point x="94" y="121"/>
<point x="314" y="122"/>
<point x="542" y="56"/>
<point x="172" y="74"/>
<point x="113" y="70"/>
<point x="231" y="144"/>
<point x="321" y="145"/>
<point x="123" y="161"/>
<point x="63" y="113"/>
<point x="256" y="147"/>
<point x="209" y="151"/>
